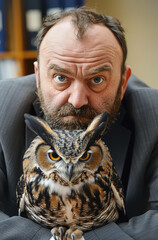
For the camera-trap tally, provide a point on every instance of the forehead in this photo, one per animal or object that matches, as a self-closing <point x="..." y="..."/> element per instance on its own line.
<point x="61" y="42"/>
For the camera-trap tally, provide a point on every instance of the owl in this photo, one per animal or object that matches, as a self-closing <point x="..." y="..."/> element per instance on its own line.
<point x="69" y="182"/>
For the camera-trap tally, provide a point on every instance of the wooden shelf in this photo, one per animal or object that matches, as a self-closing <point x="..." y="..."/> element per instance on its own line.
<point x="17" y="39"/>
<point x="29" y="54"/>
<point x="8" y="54"/>
<point x="18" y="55"/>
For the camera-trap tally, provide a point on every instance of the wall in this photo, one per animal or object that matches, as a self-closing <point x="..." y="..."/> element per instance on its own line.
<point x="140" y="21"/>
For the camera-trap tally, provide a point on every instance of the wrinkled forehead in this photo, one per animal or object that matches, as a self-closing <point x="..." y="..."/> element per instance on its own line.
<point x="64" y="35"/>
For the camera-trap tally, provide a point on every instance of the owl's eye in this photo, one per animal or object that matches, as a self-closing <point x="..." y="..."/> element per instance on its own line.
<point x="85" y="156"/>
<point x="53" y="155"/>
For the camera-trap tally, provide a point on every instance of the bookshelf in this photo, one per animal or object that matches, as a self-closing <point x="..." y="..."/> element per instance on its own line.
<point x="22" y="20"/>
<point x="16" y="39"/>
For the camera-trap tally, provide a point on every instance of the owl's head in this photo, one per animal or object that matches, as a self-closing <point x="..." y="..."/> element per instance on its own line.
<point x="69" y="153"/>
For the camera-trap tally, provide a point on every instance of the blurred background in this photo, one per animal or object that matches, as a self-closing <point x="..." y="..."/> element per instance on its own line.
<point x="21" y="19"/>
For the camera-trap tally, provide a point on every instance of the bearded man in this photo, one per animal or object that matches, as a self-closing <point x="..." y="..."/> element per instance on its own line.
<point x="80" y="72"/>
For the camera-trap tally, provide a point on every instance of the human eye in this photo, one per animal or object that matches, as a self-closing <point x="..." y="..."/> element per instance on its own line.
<point x="60" y="78"/>
<point x="97" y="80"/>
<point x="98" y="83"/>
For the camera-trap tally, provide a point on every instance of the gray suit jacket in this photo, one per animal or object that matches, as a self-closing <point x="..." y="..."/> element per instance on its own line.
<point x="133" y="142"/>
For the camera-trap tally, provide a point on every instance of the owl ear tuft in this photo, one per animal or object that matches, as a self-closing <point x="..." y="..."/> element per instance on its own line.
<point x="97" y="128"/>
<point x="40" y="127"/>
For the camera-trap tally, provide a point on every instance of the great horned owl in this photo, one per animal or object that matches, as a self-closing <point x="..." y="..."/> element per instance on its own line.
<point x="69" y="181"/>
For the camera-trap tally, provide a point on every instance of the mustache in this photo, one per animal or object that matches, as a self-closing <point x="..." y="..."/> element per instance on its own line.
<point x="69" y="110"/>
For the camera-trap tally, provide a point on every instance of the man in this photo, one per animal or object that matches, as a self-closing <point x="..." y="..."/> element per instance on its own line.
<point x="81" y="72"/>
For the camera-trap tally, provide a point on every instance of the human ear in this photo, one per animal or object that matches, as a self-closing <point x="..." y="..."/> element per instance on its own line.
<point x="125" y="78"/>
<point x="36" y="70"/>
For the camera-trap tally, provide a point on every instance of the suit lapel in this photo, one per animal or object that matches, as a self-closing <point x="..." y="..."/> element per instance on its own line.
<point x="117" y="139"/>
<point x="37" y="111"/>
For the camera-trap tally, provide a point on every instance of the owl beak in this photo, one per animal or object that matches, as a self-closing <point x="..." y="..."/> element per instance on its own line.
<point x="69" y="170"/>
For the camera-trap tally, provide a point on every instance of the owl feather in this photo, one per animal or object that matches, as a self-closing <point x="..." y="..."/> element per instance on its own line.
<point x="69" y="181"/>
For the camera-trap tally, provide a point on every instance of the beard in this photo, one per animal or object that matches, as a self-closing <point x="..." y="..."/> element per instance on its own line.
<point x="56" y="117"/>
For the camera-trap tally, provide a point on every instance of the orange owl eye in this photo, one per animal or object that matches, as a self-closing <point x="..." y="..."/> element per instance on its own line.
<point x="85" y="156"/>
<point x="53" y="155"/>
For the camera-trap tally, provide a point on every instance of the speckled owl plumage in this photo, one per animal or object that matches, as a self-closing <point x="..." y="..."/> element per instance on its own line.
<point x="69" y="180"/>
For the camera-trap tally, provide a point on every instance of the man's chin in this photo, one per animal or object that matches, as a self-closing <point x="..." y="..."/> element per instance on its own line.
<point x="72" y="118"/>
<point x="71" y="123"/>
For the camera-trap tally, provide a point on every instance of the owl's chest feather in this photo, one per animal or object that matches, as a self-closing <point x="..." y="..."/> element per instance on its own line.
<point x="51" y="203"/>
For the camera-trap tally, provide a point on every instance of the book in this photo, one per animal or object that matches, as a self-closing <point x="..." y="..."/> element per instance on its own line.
<point x="2" y="27"/>
<point x="71" y="4"/>
<point x="33" y="18"/>
<point x="9" y="68"/>
<point x="52" y="6"/>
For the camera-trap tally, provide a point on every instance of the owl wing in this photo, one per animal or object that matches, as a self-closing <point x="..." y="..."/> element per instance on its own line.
<point x="118" y="191"/>
<point x="20" y="194"/>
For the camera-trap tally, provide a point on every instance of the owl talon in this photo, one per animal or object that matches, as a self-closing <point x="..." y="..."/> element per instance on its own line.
<point x="54" y="233"/>
<point x="73" y="234"/>
<point x="66" y="235"/>
<point x="61" y="232"/>
<point x="58" y="233"/>
<point x="55" y="237"/>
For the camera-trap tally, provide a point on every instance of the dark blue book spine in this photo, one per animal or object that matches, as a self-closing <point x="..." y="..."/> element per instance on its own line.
<point x="53" y="6"/>
<point x="2" y="27"/>
<point x="33" y="18"/>
<point x="70" y="4"/>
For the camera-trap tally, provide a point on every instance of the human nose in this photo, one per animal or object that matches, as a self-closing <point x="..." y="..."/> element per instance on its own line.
<point x="78" y="96"/>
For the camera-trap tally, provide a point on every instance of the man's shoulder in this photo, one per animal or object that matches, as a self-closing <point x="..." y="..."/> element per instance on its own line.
<point x="16" y="97"/>
<point x="17" y="88"/>
<point x="13" y="83"/>
<point x="141" y="101"/>
<point x="138" y="89"/>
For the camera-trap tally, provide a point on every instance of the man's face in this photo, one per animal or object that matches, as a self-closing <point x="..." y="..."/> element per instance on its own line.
<point x="78" y="79"/>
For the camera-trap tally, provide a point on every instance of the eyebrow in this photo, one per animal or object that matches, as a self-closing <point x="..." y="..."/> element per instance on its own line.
<point x="99" y="70"/>
<point x="58" y="69"/>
